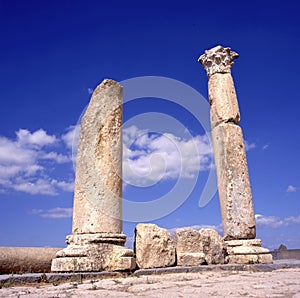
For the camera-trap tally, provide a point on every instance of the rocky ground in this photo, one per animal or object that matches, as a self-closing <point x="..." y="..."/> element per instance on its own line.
<point x="283" y="283"/>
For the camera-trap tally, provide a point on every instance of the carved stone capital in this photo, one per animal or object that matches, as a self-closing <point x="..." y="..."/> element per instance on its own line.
<point x="217" y="60"/>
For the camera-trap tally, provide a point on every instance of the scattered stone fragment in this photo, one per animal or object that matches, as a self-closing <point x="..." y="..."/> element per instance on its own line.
<point x="213" y="246"/>
<point x="195" y="248"/>
<point x="189" y="248"/>
<point x="154" y="247"/>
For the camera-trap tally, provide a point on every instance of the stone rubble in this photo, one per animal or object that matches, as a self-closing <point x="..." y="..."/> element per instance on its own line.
<point x="154" y="247"/>
<point x="194" y="248"/>
<point x="189" y="249"/>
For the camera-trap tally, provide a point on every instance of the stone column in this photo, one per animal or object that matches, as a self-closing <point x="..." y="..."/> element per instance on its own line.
<point x="97" y="242"/>
<point x="235" y="195"/>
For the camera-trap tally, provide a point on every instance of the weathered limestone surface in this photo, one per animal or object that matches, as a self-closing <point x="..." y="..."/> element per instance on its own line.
<point x="26" y="259"/>
<point x="96" y="243"/>
<point x="213" y="246"/>
<point x="223" y="101"/>
<point x="247" y="252"/>
<point x="233" y="182"/>
<point x="154" y="247"/>
<point x="195" y="248"/>
<point x="98" y="185"/>
<point x="232" y="170"/>
<point x="189" y="248"/>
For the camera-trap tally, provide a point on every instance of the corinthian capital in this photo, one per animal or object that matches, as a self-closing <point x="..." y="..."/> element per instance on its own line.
<point x="217" y="60"/>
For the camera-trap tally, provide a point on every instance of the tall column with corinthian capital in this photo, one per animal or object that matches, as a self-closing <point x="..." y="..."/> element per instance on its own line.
<point x="235" y="194"/>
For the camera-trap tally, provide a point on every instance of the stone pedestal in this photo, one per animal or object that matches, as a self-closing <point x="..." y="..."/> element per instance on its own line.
<point x="247" y="252"/>
<point x="97" y="242"/>
<point x="94" y="252"/>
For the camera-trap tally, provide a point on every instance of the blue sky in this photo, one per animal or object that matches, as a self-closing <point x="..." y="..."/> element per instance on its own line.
<point x="54" y="53"/>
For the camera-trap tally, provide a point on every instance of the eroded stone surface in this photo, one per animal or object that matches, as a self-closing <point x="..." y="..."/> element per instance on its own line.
<point x="98" y="184"/>
<point x="187" y="240"/>
<point x="233" y="182"/>
<point x="189" y="248"/>
<point x="154" y="246"/>
<point x="213" y="246"/>
<point x="195" y="248"/>
<point x="223" y="101"/>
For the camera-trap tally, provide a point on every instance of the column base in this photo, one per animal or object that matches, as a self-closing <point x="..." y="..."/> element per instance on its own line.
<point x="94" y="252"/>
<point x="247" y="252"/>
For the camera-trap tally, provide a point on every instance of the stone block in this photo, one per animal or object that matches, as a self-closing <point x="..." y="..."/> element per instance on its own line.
<point x="187" y="240"/>
<point x="213" y="246"/>
<point x="245" y="242"/>
<point x="154" y="247"/>
<point x="250" y="259"/>
<point x="190" y="259"/>
<point x="194" y="247"/>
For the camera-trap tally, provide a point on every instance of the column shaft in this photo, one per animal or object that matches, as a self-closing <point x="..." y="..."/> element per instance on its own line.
<point x="98" y="186"/>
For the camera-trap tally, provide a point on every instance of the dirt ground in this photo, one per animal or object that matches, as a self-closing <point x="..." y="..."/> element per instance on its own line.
<point x="283" y="283"/>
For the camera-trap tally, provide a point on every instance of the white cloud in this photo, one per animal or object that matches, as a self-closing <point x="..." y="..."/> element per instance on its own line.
<point x="68" y="137"/>
<point x="25" y="163"/>
<point x="63" y="185"/>
<point x="40" y="186"/>
<point x="149" y="157"/>
<point x="12" y="152"/>
<point x="249" y="146"/>
<point x="38" y="138"/>
<point x="265" y="147"/>
<point x="275" y="221"/>
<point x="59" y="158"/>
<point x="57" y="212"/>
<point x="291" y="188"/>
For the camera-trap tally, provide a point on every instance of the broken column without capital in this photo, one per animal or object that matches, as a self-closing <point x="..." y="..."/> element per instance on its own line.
<point x="97" y="242"/>
<point x="235" y="194"/>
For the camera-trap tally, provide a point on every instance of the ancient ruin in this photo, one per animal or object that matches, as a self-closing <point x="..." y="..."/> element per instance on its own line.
<point x="97" y="242"/>
<point x="235" y="194"/>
